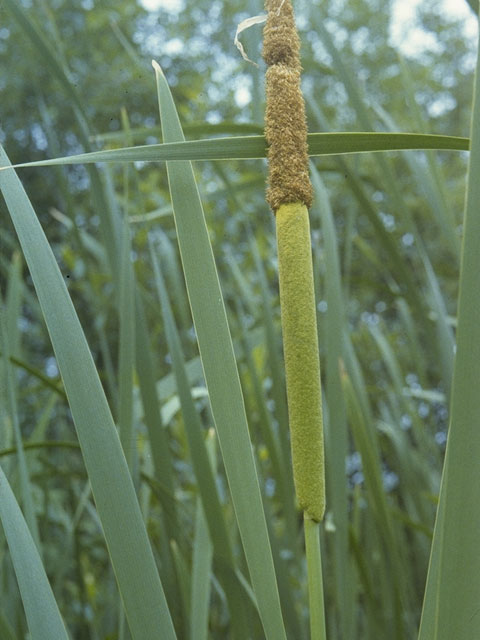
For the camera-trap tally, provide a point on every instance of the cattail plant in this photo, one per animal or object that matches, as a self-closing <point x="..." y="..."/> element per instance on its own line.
<point x="289" y="195"/>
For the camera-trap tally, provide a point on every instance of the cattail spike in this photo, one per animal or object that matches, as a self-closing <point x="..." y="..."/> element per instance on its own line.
<point x="289" y="194"/>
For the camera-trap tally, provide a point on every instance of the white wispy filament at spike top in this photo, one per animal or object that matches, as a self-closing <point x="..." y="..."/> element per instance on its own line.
<point x="245" y="24"/>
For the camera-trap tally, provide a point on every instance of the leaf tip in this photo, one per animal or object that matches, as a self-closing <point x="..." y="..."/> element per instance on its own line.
<point x="157" y="67"/>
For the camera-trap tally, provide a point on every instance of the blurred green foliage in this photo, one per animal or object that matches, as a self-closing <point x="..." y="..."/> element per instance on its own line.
<point x="396" y="326"/>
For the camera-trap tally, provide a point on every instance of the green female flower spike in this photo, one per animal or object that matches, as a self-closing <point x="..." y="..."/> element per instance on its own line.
<point x="289" y="194"/>
<point x="302" y="366"/>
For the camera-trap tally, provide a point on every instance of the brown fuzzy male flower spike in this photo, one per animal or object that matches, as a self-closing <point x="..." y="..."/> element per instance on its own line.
<point x="285" y="122"/>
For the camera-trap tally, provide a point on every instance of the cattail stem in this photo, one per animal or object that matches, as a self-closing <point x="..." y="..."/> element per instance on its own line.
<point x="315" y="583"/>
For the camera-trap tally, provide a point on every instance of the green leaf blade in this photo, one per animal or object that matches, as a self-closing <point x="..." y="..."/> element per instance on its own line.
<point x="112" y="487"/>
<point x="252" y="147"/>
<point x="221" y="375"/>
<point x="43" y="617"/>
<point x="452" y="596"/>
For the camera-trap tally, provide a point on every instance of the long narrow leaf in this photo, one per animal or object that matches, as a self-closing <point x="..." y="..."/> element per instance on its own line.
<point x="244" y="147"/>
<point x="43" y="617"/>
<point x="452" y="595"/>
<point x="112" y="487"/>
<point x="221" y="375"/>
